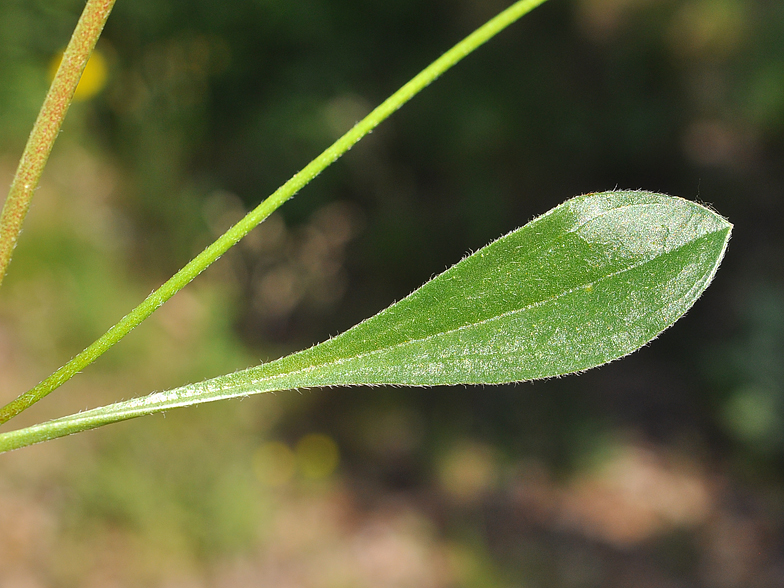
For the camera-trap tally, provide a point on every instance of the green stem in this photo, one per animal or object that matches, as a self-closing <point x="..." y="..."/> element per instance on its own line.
<point x="253" y="218"/>
<point x="47" y="125"/>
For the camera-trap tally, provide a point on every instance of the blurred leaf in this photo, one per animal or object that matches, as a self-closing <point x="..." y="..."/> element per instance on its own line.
<point x="590" y="281"/>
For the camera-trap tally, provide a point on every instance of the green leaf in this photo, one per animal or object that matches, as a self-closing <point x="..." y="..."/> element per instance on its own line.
<point x="586" y="283"/>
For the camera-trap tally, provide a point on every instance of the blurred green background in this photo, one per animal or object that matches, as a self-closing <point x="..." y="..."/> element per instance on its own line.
<point x="662" y="470"/>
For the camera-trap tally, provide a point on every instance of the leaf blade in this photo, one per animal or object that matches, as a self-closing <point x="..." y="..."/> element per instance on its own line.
<point x="607" y="228"/>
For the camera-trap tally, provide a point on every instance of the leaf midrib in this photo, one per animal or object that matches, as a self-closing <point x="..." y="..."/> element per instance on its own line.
<point x="360" y="356"/>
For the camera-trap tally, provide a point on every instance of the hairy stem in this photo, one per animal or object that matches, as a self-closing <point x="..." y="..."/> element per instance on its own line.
<point x="261" y="212"/>
<point x="47" y="125"/>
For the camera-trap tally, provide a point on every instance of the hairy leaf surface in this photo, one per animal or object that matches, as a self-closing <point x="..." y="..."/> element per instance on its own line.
<point x="586" y="283"/>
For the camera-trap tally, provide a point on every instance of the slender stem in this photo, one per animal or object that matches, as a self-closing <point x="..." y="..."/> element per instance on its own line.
<point x="253" y="218"/>
<point x="47" y="125"/>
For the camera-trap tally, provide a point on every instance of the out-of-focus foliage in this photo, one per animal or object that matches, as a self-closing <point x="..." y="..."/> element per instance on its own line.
<point x="664" y="467"/>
